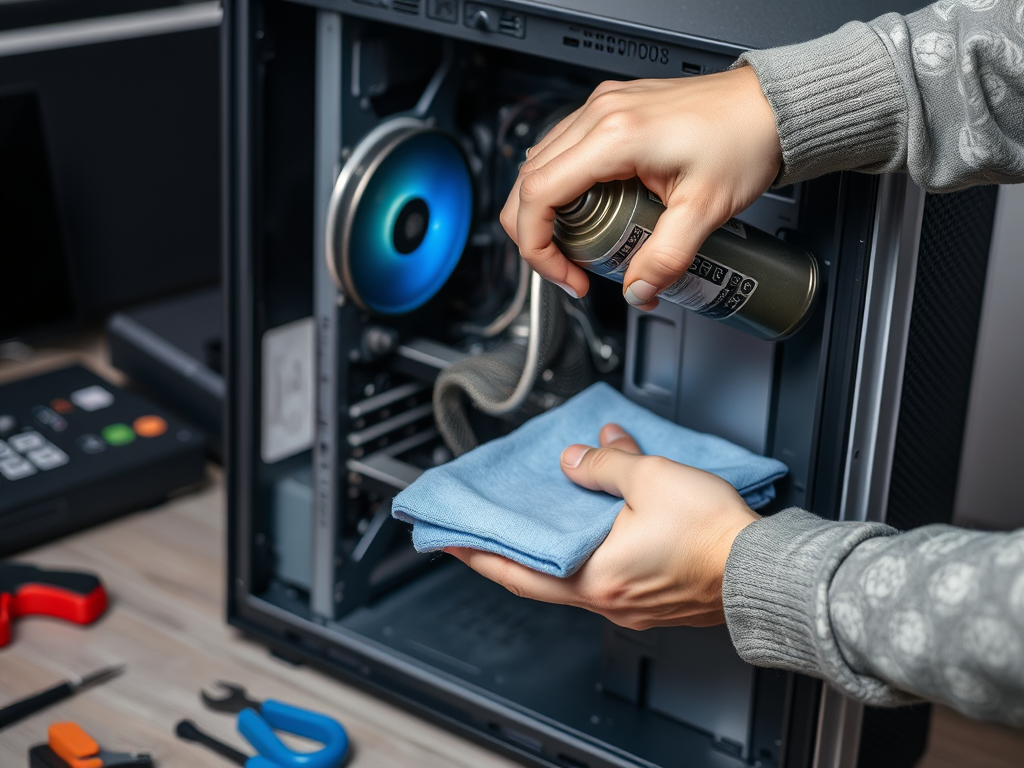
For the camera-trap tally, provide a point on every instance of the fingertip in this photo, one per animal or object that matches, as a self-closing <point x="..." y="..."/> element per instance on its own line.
<point x="614" y="436"/>
<point x="611" y="432"/>
<point x="640" y="294"/>
<point x="576" y="283"/>
<point x="573" y="455"/>
<point x="549" y="263"/>
<point x="667" y="254"/>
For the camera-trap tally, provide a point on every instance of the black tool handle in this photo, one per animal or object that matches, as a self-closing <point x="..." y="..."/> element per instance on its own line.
<point x="12" y="713"/>
<point x="15" y="575"/>
<point x="189" y="731"/>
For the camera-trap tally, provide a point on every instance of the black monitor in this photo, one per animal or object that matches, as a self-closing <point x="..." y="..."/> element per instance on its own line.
<point x="36" y="289"/>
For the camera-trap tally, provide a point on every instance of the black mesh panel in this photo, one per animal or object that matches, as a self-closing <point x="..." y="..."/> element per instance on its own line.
<point x="894" y="738"/>
<point x="952" y="261"/>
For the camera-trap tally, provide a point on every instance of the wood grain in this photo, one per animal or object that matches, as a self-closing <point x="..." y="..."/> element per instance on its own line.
<point x="164" y="572"/>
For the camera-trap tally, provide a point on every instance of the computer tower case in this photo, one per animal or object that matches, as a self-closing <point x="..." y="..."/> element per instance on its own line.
<point x="330" y="402"/>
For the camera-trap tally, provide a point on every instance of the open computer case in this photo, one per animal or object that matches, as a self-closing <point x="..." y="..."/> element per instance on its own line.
<point x="330" y="386"/>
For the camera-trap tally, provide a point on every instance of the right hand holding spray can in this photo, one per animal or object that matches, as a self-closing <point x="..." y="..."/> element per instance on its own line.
<point x="741" y="276"/>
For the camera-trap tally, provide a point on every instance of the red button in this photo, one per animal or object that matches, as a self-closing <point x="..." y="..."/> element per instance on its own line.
<point x="149" y="426"/>
<point x="60" y="405"/>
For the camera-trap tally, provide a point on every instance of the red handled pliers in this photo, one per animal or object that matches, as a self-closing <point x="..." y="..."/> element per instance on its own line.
<point x="26" y="590"/>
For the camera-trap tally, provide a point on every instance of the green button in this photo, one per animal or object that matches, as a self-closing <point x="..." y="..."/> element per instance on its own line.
<point x="118" y="434"/>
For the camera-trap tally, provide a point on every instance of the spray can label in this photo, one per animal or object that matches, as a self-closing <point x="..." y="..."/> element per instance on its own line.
<point x="615" y="265"/>
<point x="711" y="289"/>
<point x="708" y="288"/>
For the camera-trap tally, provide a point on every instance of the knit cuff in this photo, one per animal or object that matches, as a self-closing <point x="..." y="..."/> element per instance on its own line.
<point x="775" y="594"/>
<point x="838" y="103"/>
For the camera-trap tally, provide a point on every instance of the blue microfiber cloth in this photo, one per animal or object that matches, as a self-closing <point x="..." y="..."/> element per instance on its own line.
<point x="510" y="496"/>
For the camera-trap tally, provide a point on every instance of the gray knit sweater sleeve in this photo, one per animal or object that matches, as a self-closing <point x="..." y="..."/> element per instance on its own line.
<point x="935" y="613"/>
<point x="938" y="93"/>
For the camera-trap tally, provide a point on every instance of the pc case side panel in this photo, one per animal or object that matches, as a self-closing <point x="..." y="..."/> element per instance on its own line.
<point x="269" y="105"/>
<point x="922" y="306"/>
<point x="952" y="260"/>
<point x="883" y="313"/>
<point x="325" y="456"/>
<point x="237" y="297"/>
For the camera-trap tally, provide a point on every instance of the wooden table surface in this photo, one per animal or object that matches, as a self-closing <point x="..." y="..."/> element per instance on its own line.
<point x="164" y="571"/>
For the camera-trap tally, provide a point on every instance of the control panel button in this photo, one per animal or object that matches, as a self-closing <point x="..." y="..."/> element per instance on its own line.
<point x="49" y="457"/>
<point x="94" y="398"/>
<point x="26" y="441"/>
<point x="118" y="434"/>
<point x="91" y="444"/>
<point x="149" y="426"/>
<point x="487" y="18"/>
<point x="60" y="405"/>
<point x="443" y="10"/>
<point x="5" y="451"/>
<point x="483" y="19"/>
<point x="50" y="418"/>
<point x="7" y="424"/>
<point x="15" y="468"/>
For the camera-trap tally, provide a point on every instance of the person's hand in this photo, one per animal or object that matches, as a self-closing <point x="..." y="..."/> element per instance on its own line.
<point x="663" y="561"/>
<point x="707" y="146"/>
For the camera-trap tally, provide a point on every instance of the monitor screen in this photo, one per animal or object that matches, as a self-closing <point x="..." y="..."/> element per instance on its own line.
<point x="36" y="290"/>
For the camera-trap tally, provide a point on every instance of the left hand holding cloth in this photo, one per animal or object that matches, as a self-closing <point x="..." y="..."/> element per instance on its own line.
<point x="534" y="522"/>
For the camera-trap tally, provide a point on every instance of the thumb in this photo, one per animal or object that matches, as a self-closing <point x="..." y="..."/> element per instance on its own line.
<point x="666" y="255"/>
<point x="600" y="469"/>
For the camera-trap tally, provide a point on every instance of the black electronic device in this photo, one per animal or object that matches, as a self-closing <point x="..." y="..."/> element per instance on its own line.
<point x="127" y="94"/>
<point x="37" y="292"/>
<point x="173" y="348"/>
<point x="350" y="320"/>
<point x="76" y="450"/>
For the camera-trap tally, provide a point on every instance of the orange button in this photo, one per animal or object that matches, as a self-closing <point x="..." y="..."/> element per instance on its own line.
<point x="60" y="405"/>
<point x="149" y="426"/>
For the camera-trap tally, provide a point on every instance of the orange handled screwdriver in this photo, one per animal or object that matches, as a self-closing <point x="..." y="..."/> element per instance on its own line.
<point x="79" y="750"/>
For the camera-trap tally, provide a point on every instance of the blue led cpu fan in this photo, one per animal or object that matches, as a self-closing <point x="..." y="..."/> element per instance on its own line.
<point x="399" y="217"/>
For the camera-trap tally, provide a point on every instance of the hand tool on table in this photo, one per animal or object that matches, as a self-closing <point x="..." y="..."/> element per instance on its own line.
<point x="69" y="746"/>
<point x="26" y="590"/>
<point x="257" y="721"/>
<point x="189" y="731"/>
<point x="12" y="713"/>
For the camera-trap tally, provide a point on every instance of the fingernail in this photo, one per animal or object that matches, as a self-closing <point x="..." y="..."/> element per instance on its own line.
<point x="640" y="292"/>
<point x="573" y="455"/>
<point x="568" y="289"/>
<point x="614" y="432"/>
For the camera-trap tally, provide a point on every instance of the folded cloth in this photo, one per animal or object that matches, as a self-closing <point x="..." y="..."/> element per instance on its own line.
<point x="509" y="496"/>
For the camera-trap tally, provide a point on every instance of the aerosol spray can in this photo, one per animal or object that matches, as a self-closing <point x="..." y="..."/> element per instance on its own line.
<point x="741" y="276"/>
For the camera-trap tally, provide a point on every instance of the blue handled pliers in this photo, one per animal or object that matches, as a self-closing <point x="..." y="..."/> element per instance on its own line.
<point x="257" y="721"/>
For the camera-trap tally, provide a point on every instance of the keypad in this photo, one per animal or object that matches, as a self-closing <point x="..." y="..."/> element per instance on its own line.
<point x="26" y="441"/>
<point x="26" y="453"/>
<point x="16" y="467"/>
<point x="29" y="452"/>
<point x="48" y="457"/>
